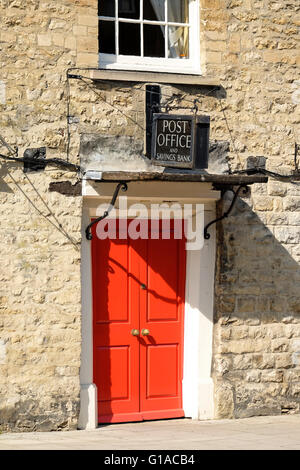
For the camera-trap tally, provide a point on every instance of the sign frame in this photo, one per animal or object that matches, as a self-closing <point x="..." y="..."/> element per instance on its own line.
<point x="198" y="154"/>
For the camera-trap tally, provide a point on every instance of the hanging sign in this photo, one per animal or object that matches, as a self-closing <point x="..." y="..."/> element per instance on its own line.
<point x="180" y="141"/>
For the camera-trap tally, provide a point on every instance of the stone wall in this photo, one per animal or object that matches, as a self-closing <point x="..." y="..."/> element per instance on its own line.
<point x="257" y="322"/>
<point x="257" y="331"/>
<point x="40" y="311"/>
<point x="251" y="47"/>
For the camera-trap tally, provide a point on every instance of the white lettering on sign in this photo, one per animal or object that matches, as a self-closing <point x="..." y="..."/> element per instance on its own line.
<point x="174" y="134"/>
<point x="173" y="158"/>
<point x="174" y="126"/>
<point x="174" y="140"/>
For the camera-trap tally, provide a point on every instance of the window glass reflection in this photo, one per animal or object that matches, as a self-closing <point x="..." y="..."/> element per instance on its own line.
<point x="106" y="8"/>
<point x="178" y="11"/>
<point x="129" y="39"/>
<point x="154" y="10"/>
<point x="107" y="37"/>
<point x="129" y="9"/>
<point x="154" y="41"/>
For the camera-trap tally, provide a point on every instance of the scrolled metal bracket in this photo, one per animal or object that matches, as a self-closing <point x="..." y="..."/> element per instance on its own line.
<point x="124" y="188"/>
<point x="236" y="193"/>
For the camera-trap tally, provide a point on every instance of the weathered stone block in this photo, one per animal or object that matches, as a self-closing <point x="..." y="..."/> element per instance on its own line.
<point x="279" y="345"/>
<point x="86" y="59"/>
<point x="89" y="45"/>
<point x="214" y="57"/>
<point x="253" y="376"/>
<point x="88" y="20"/>
<point x="263" y="203"/>
<point x="44" y="39"/>
<point x="283" y="361"/>
<point x="288" y="234"/>
<point x="291" y="203"/>
<point x="224" y="405"/>
<point x="272" y="376"/>
<point x="246" y="304"/>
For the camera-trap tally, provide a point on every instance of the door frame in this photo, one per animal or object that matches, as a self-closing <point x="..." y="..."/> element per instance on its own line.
<point x="197" y="385"/>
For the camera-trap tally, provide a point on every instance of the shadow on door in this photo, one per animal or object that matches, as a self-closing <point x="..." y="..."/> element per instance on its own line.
<point x="138" y="308"/>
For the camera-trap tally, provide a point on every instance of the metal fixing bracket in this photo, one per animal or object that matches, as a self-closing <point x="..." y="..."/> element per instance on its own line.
<point x="88" y="232"/>
<point x="236" y="193"/>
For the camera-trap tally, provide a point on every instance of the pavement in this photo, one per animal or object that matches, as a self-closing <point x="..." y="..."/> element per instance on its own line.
<point x="259" y="433"/>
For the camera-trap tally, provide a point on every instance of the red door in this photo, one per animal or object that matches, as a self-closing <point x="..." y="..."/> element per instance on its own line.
<point x="138" y="304"/>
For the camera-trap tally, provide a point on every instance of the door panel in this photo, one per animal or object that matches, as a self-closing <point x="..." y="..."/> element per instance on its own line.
<point x="162" y="371"/>
<point x="116" y="351"/>
<point x="111" y="278"/>
<point x="138" y="284"/>
<point x="162" y="280"/>
<point x="161" y="313"/>
<point x="114" y="362"/>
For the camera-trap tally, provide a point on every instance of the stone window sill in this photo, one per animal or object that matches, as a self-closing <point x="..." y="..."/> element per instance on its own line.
<point x="152" y="77"/>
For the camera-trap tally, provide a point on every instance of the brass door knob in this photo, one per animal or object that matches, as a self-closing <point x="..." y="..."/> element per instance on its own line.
<point x="145" y="332"/>
<point x="135" y="332"/>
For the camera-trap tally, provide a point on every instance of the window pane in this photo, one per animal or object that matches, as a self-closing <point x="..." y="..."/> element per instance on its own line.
<point x="154" y="41"/>
<point x="107" y="37"/>
<point x="106" y="8"/>
<point x="178" y="11"/>
<point x="154" y="10"/>
<point x="129" y="39"/>
<point x="178" y="42"/>
<point x="129" y="9"/>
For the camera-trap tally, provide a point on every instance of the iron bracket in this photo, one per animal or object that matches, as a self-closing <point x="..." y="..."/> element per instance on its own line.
<point x="236" y="193"/>
<point x="88" y="232"/>
<point x="153" y="98"/>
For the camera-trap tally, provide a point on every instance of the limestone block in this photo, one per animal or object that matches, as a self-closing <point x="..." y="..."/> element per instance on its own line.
<point x="224" y="401"/>
<point x="87" y="20"/>
<point x="86" y="59"/>
<point x="79" y="30"/>
<point x="263" y="361"/>
<point x="246" y="304"/>
<point x="287" y="234"/>
<point x="57" y="24"/>
<point x="279" y="345"/>
<point x="253" y="376"/>
<point x="272" y="376"/>
<point x="245" y="346"/>
<point x="283" y="361"/>
<point x="89" y="45"/>
<point x="239" y="332"/>
<point x="242" y="361"/>
<point x="292" y="203"/>
<point x="295" y="390"/>
<point x="263" y="203"/>
<point x="214" y="57"/>
<point x="44" y="39"/>
<point x="277" y="189"/>
<point x="217" y="46"/>
<point x="70" y="43"/>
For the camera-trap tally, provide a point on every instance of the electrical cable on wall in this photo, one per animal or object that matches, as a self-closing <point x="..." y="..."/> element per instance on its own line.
<point x="171" y="97"/>
<point x="293" y="179"/>
<point x="141" y="89"/>
<point x="76" y="168"/>
<point x="50" y="213"/>
<point x="50" y="161"/>
<point x="255" y="170"/>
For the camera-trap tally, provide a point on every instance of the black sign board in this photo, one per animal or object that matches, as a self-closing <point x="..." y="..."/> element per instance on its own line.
<point x="180" y="141"/>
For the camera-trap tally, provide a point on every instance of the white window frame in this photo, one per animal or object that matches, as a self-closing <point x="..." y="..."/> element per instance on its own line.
<point x="155" y="64"/>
